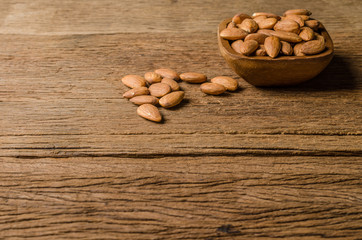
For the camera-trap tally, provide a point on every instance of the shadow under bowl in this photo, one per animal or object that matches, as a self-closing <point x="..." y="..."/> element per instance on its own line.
<point x="264" y="71"/>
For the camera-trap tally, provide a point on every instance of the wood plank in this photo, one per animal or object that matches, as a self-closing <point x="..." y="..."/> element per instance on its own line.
<point x="181" y="198"/>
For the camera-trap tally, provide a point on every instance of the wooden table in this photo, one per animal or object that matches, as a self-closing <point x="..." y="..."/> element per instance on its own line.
<point x="76" y="162"/>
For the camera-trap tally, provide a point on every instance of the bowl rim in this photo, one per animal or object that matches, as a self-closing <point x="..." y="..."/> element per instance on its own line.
<point x="224" y="43"/>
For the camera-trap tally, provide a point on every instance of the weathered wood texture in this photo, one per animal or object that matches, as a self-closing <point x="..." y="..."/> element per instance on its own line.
<point x="76" y="161"/>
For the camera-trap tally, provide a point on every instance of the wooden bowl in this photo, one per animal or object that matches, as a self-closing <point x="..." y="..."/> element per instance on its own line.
<point x="281" y="71"/>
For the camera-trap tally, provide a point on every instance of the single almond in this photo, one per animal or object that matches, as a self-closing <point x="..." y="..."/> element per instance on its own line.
<point x="232" y="25"/>
<point x="133" y="81"/>
<point x="172" y="83"/>
<point x="298" y="12"/>
<point x="257" y="14"/>
<point x="259" y="19"/>
<point x="297" y="49"/>
<point x="272" y="46"/>
<point x="304" y="17"/>
<point x="168" y="73"/>
<point x="159" y="89"/>
<point x="172" y="99"/>
<point x="313" y="24"/>
<point x="212" y="88"/>
<point x="248" y="25"/>
<point x="282" y="35"/>
<point x="267" y="23"/>
<point x="229" y="83"/>
<point x="239" y="18"/>
<point x="248" y="47"/>
<point x="136" y="92"/>
<point x="286" y="48"/>
<point x="306" y="34"/>
<point x="233" y="33"/>
<point x="152" y="77"/>
<point x="193" y="77"/>
<point x="314" y="46"/>
<point x="149" y="112"/>
<point x="144" y="99"/>
<point x="297" y="18"/>
<point x="259" y="37"/>
<point x="236" y="45"/>
<point x="260" y="51"/>
<point x="287" y="25"/>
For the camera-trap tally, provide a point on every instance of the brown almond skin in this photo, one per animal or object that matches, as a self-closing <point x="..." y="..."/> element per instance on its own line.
<point x="272" y="46"/>
<point x="257" y="14"/>
<point x="144" y="99"/>
<point x="297" y="49"/>
<point x="297" y="18"/>
<point x="229" y="83"/>
<point x="260" y="51"/>
<point x="259" y="37"/>
<point x="282" y="35"/>
<point x="249" y="25"/>
<point x="168" y="73"/>
<point x="313" y="24"/>
<point x="298" y="12"/>
<point x="212" y="88"/>
<point x="287" y="25"/>
<point x="152" y="77"/>
<point x="232" y="25"/>
<point x="236" y="45"/>
<point x="306" y="34"/>
<point x="149" y="112"/>
<point x="267" y="23"/>
<point x="248" y="47"/>
<point x="136" y="92"/>
<point x="193" y="77"/>
<point x="233" y="34"/>
<point x="172" y="83"/>
<point x="314" y="46"/>
<point x="286" y="48"/>
<point x="259" y="19"/>
<point x="304" y="17"/>
<point x="133" y="81"/>
<point x="159" y="89"/>
<point x="172" y="99"/>
<point x="239" y="18"/>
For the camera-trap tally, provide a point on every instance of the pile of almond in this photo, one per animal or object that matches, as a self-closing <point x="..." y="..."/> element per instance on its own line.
<point x="161" y="88"/>
<point x="262" y="34"/>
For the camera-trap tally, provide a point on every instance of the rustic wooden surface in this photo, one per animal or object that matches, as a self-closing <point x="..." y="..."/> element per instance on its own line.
<point x="76" y="162"/>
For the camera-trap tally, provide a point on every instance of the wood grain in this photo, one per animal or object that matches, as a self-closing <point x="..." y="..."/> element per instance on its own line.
<point x="76" y="162"/>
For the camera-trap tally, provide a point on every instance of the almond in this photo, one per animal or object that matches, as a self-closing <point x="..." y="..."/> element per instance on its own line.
<point x="248" y="25"/>
<point x="298" y="12"/>
<point x="286" y="48"/>
<point x="159" y="89"/>
<point x="297" y="49"/>
<point x="233" y="33"/>
<point x="232" y="25"/>
<point x="149" y="112"/>
<point x="248" y="47"/>
<point x="168" y="73"/>
<point x="306" y="34"/>
<point x="144" y="99"/>
<point x="297" y="18"/>
<point x="260" y="51"/>
<point x="314" y="46"/>
<point x="259" y="19"/>
<point x="133" y="81"/>
<point x="239" y="18"/>
<point x="212" y="88"/>
<point x="272" y="46"/>
<point x="236" y="45"/>
<point x="287" y="25"/>
<point x="193" y="77"/>
<point x="152" y="77"/>
<point x="313" y="24"/>
<point x="267" y="23"/>
<point x="172" y="99"/>
<point x="282" y="35"/>
<point x="259" y="37"/>
<point x="257" y="14"/>
<point x="172" y="83"/>
<point x="304" y="17"/>
<point x="229" y="83"/>
<point x="136" y="92"/>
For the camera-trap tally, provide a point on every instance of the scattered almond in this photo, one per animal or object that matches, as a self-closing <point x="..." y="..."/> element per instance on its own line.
<point x="193" y="77"/>
<point x="168" y="73"/>
<point x="152" y="77"/>
<point x="133" y="81"/>
<point x="172" y="99"/>
<point x="212" y="88"/>
<point x="272" y="46"/>
<point x="229" y="83"/>
<point x="136" y="92"/>
<point x="248" y="47"/>
<point x="172" y="83"/>
<point x="144" y="99"/>
<point x="149" y="112"/>
<point x="159" y="89"/>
